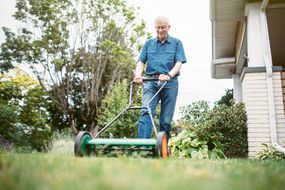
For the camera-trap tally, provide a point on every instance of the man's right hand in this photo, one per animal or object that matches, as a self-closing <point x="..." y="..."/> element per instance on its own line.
<point x="138" y="79"/>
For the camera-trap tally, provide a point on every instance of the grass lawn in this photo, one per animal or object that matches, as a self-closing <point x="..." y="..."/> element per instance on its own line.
<point x="47" y="171"/>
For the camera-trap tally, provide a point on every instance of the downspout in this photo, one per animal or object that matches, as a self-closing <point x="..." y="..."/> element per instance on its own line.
<point x="212" y="6"/>
<point x="268" y="64"/>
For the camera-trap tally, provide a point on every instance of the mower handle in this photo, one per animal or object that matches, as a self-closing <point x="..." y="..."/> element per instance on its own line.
<point x="149" y="79"/>
<point x="146" y="79"/>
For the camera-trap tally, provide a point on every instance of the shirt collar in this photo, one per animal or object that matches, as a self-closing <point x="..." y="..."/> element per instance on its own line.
<point x="168" y="40"/>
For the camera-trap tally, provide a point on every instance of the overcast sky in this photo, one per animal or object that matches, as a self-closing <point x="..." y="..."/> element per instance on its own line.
<point x="190" y="23"/>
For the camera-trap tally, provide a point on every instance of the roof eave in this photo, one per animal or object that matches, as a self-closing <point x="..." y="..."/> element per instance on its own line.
<point x="223" y="68"/>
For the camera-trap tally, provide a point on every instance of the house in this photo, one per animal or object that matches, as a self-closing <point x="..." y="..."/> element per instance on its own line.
<point x="248" y="40"/>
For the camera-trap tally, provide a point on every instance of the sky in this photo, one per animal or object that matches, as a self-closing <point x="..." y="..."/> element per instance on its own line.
<point x="190" y="23"/>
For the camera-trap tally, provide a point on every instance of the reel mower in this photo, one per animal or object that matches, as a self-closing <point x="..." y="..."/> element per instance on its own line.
<point x="85" y="144"/>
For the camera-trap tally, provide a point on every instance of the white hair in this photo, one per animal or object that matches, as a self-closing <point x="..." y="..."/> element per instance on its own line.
<point x="162" y="18"/>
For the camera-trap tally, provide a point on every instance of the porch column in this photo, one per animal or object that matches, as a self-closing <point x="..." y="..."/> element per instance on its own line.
<point x="254" y="34"/>
<point x="254" y="84"/>
<point x="237" y="88"/>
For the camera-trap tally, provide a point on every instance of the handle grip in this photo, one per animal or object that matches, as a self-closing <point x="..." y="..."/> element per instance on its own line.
<point x="145" y="79"/>
<point x="150" y="79"/>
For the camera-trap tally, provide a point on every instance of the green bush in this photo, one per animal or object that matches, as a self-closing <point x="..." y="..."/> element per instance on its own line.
<point x="194" y="114"/>
<point x="7" y="117"/>
<point x="229" y="123"/>
<point x="226" y="99"/>
<point x="116" y="101"/>
<point x="270" y="153"/>
<point x="5" y="145"/>
<point x="27" y="138"/>
<point x="225" y="122"/>
<point x="188" y="144"/>
<point x="23" y="113"/>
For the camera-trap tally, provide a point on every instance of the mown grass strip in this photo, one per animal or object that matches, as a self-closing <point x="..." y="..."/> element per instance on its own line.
<point x="45" y="171"/>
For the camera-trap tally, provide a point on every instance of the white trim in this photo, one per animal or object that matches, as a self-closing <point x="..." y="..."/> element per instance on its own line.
<point x="254" y="34"/>
<point x="268" y="63"/>
<point x="250" y="6"/>
<point x="276" y="6"/>
<point x="241" y="58"/>
<point x="214" y="40"/>
<point x="237" y="88"/>
<point x="264" y="5"/>
<point x="212" y="7"/>
<point x="223" y="61"/>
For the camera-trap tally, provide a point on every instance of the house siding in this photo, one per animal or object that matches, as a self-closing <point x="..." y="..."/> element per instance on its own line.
<point x="255" y="97"/>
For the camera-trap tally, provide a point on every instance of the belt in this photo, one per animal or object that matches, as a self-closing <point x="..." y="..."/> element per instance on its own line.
<point x="154" y="75"/>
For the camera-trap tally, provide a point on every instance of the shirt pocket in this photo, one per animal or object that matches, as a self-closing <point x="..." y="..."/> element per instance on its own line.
<point x="170" y="56"/>
<point x="151" y="54"/>
<point x="151" y="50"/>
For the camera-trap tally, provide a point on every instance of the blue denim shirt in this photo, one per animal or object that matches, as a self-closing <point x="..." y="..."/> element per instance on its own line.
<point x="161" y="57"/>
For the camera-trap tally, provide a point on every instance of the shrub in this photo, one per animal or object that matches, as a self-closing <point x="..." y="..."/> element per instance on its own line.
<point x="116" y="101"/>
<point x="226" y="99"/>
<point x="195" y="113"/>
<point x="188" y="144"/>
<point x="227" y="123"/>
<point x="62" y="142"/>
<point x="7" y="117"/>
<point x="23" y="114"/>
<point x="5" y="145"/>
<point x="270" y="153"/>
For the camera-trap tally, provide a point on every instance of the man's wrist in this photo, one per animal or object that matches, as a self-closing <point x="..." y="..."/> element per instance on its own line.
<point x="168" y="74"/>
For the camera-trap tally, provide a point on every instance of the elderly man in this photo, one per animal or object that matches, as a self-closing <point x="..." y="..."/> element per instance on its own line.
<point x="163" y="57"/>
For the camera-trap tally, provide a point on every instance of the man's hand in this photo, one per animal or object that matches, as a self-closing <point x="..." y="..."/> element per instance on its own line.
<point x="138" y="79"/>
<point x="164" y="78"/>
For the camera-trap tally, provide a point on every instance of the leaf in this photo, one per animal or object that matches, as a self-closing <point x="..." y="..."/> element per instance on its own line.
<point x="219" y="153"/>
<point x="195" y="143"/>
<point x="196" y="155"/>
<point x="204" y="151"/>
<point x="213" y="155"/>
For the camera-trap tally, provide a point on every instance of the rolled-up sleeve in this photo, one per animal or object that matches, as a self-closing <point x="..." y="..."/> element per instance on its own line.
<point x="180" y="54"/>
<point x="143" y="54"/>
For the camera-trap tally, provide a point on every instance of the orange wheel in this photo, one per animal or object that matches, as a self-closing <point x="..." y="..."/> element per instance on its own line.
<point x="162" y="145"/>
<point x="169" y="151"/>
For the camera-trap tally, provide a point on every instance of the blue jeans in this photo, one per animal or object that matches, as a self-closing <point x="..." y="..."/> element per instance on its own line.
<point x="167" y="98"/>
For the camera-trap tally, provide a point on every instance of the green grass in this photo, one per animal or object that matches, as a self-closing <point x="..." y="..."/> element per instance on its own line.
<point x="49" y="171"/>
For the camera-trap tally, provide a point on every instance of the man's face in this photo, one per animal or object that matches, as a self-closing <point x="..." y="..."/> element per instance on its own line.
<point x="162" y="28"/>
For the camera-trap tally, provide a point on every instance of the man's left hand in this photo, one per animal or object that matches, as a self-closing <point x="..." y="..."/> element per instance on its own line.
<point x="163" y="78"/>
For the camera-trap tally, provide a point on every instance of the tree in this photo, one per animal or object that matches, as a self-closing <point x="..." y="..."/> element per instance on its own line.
<point x="24" y="117"/>
<point x="77" y="49"/>
<point x="7" y="117"/>
<point x="195" y="113"/>
<point x="116" y="101"/>
<point x="227" y="99"/>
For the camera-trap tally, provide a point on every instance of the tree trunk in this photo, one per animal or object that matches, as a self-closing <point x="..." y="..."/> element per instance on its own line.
<point x="94" y="130"/>
<point x="72" y="123"/>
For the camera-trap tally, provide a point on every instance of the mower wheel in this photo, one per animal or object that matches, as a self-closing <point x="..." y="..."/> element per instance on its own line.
<point x="81" y="147"/>
<point x="162" y="145"/>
